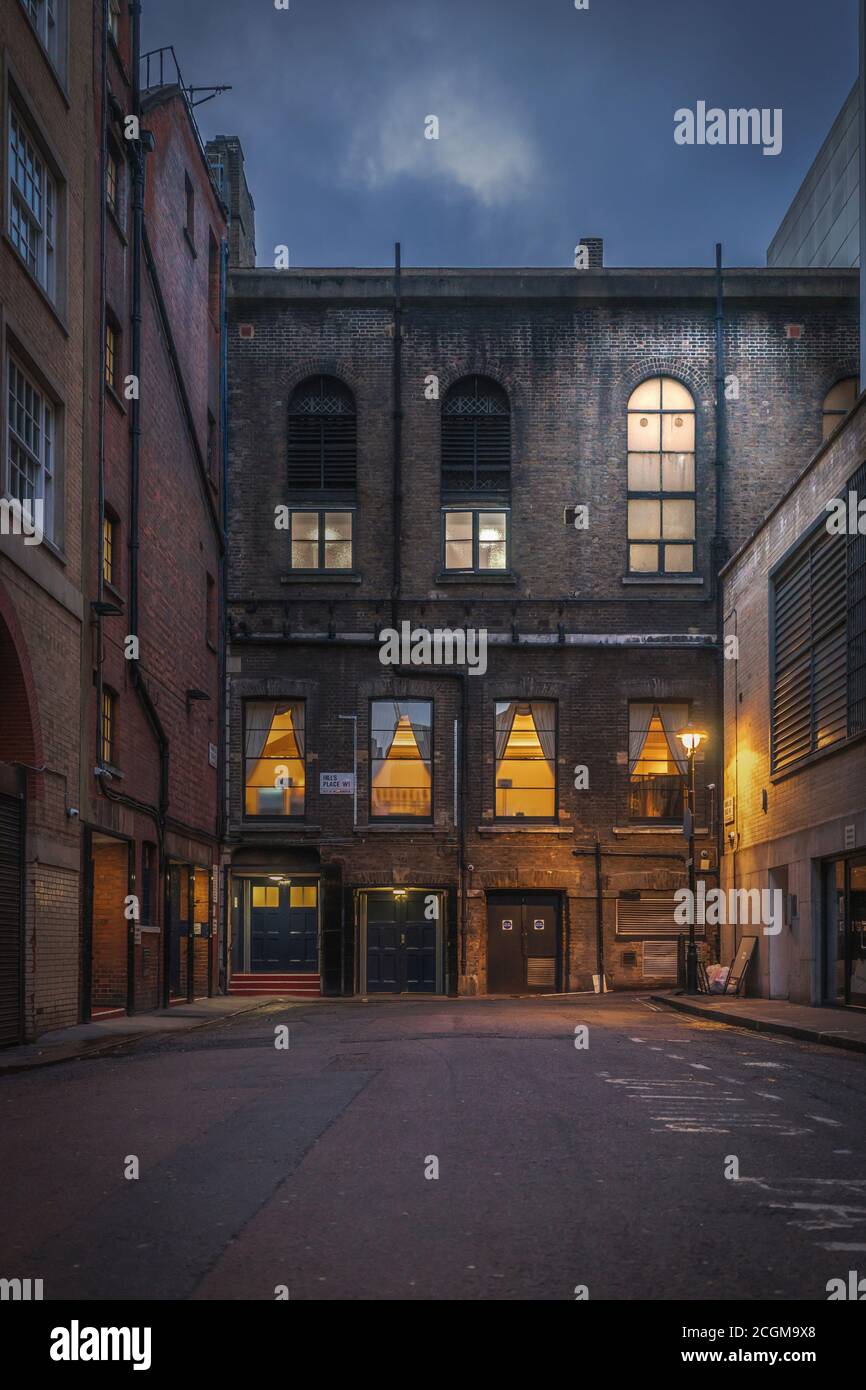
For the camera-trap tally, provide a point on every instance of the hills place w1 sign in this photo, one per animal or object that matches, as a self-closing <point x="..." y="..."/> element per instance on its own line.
<point x="336" y="783"/>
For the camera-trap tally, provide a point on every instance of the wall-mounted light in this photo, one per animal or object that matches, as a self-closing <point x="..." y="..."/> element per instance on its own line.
<point x="400" y="894"/>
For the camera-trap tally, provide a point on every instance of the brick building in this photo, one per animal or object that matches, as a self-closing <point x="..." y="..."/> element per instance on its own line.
<point x="44" y="92"/>
<point x="527" y="459"/>
<point x="795" y="722"/>
<point x="154" y="538"/>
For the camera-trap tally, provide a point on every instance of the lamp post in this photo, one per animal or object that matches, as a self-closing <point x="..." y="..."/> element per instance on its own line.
<point x="691" y="736"/>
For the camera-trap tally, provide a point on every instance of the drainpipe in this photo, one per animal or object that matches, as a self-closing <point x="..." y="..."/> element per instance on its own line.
<point x="720" y="544"/>
<point x="223" y="590"/>
<point x="397" y="501"/>
<point x="103" y="214"/>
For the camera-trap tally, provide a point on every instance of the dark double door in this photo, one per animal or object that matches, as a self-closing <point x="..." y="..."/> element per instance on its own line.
<point x="402" y="944"/>
<point x="283" y="938"/>
<point x="523" y="944"/>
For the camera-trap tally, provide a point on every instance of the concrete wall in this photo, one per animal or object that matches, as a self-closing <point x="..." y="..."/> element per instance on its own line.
<point x="822" y="225"/>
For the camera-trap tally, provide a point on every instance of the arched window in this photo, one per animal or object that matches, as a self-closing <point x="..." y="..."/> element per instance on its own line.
<point x="322" y="436"/>
<point x="837" y="403"/>
<point x="476" y="438"/>
<point x="661" y="478"/>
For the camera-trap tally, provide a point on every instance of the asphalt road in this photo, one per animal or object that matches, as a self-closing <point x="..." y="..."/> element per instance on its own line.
<point x="601" y="1166"/>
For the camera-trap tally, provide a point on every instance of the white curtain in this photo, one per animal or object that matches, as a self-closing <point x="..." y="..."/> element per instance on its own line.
<point x="544" y="718"/>
<point x="639" y="717"/>
<point x="673" y="717"/>
<point x="504" y="725"/>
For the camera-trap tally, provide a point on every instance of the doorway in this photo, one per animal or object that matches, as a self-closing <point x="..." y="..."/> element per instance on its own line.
<point x="284" y="926"/>
<point x="523" y="950"/>
<point x="844" y="893"/>
<point x="402" y="942"/>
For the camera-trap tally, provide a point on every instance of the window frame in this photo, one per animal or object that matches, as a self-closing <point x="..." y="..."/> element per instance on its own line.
<point x="283" y="817"/>
<point x="500" y="493"/>
<point x="837" y="415"/>
<point x="321" y="513"/>
<point x="662" y="821"/>
<point x="529" y="820"/>
<point x="475" y="512"/>
<point x="112" y="382"/>
<point x="44" y="225"/>
<point x="47" y="459"/>
<point x="321" y="492"/>
<point x="661" y="496"/>
<point x="108" y="713"/>
<point x="115" y="14"/>
<point x="111" y="549"/>
<point x="392" y="818"/>
<point x="52" y="15"/>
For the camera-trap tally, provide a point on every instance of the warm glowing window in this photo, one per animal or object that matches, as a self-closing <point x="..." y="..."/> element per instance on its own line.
<point x="109" y="727"/>
<point x="321" y="540"/>
<point x="265" y="895"/>
<point x="274" y="753"/>
<point x="303" y="895"/>
<point x="112" y="347"/>
<point x="657" y="761"/>
<point x="661" y="478"/>
<point x="837" y="403"/>
<point x="401" y="767"/>
<point x="108" y="535"/>
<point x="526" y="759"/>
<point x="476" y="541"/>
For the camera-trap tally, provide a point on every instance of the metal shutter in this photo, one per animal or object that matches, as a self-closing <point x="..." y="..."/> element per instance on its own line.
<point x="322" y="437"/>
<point x="11" y="836"/>
<point x="810" y="683"/>
<point x="649" y="916"/>
<point x="476" y="438"/>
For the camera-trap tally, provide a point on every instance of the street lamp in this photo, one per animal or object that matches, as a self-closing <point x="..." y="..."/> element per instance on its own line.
<point x="691" y="736"/>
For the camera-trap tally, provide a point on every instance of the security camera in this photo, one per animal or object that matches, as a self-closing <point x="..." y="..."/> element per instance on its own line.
<point x="73" y="812"/>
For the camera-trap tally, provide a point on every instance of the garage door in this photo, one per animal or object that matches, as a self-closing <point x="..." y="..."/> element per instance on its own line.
<point x="11" y="832"/>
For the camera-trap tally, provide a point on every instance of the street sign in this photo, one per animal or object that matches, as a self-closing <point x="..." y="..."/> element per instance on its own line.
<point x="337" y="783"/>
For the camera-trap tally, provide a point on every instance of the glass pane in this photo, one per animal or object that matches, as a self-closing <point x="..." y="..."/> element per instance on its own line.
<point x="679" y="559"/>
<point x="458" y="526"/>
<point x="675" y="396"/>
<point x="458" y="555"/>
<point x="338" y="526"/>
<point x="305" y="526"/>
<point x="644" y="434"/>
<point x="401" y="770"/>
<point x="647" y="396"/>
<point x="643" y="520"/>
<point x="275" y="771"/>
<point x="338" y="555"/>
<point x="678" y="433"/>
<point x="491" y="540"/>
<point x="678" y="472"/>
<point x="643" y="559"/>
<point x="305" y="555"/>
<point x="643" y="472"/>
<point x="526" y="759"/>
<point x="302" y="895"/>
<point x="678" y="520"/>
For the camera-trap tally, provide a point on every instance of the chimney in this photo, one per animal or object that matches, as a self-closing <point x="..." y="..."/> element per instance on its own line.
<point x="595" y="251"/>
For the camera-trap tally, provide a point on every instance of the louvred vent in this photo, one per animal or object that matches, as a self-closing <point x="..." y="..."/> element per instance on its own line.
<point x="476" y="437"/>
<point x="322" y="436"/>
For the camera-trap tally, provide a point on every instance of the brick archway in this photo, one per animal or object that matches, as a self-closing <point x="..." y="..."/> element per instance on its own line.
<point x="20" y="728"/>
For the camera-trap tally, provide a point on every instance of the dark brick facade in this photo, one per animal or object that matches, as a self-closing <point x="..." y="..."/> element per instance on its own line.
<point x="566" y="624"/>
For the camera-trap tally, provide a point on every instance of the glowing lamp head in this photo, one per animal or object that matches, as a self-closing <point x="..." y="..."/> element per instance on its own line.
<point x="400" y="894"/>
<point x="691" y="736"/>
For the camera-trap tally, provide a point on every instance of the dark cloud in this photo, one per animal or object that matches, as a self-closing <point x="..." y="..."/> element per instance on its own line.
<point x="554" y="123"/>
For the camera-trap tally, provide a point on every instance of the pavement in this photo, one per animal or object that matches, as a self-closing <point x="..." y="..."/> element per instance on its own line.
<point x="92" y="1039"/>
<point x="522" y="1149"/>
<point x="829" y="1026"/>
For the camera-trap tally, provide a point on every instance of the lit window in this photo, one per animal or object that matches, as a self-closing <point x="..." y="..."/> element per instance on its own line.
<point x="661" y="479"/>
<point x="111" y="355"/>
<point x="321" y="540"/>
<point x="266" y="896"/>
<point x="32" y="206"/>
<point x="109" y="727"/>
<point x="401" y="766"/>
<point x="108" y="535"/>
<point x="274" y="753"/>
<point x="476" y="541"/>
<point x="657" y="763"/>
<point x="303" y="895"/>
<point x="837" y="403"/>
<point x="526" y="759"/>
<point x="30" y="442"/>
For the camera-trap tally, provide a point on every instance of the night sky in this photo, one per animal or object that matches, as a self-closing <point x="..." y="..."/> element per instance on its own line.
<point x="554" y="123"/>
